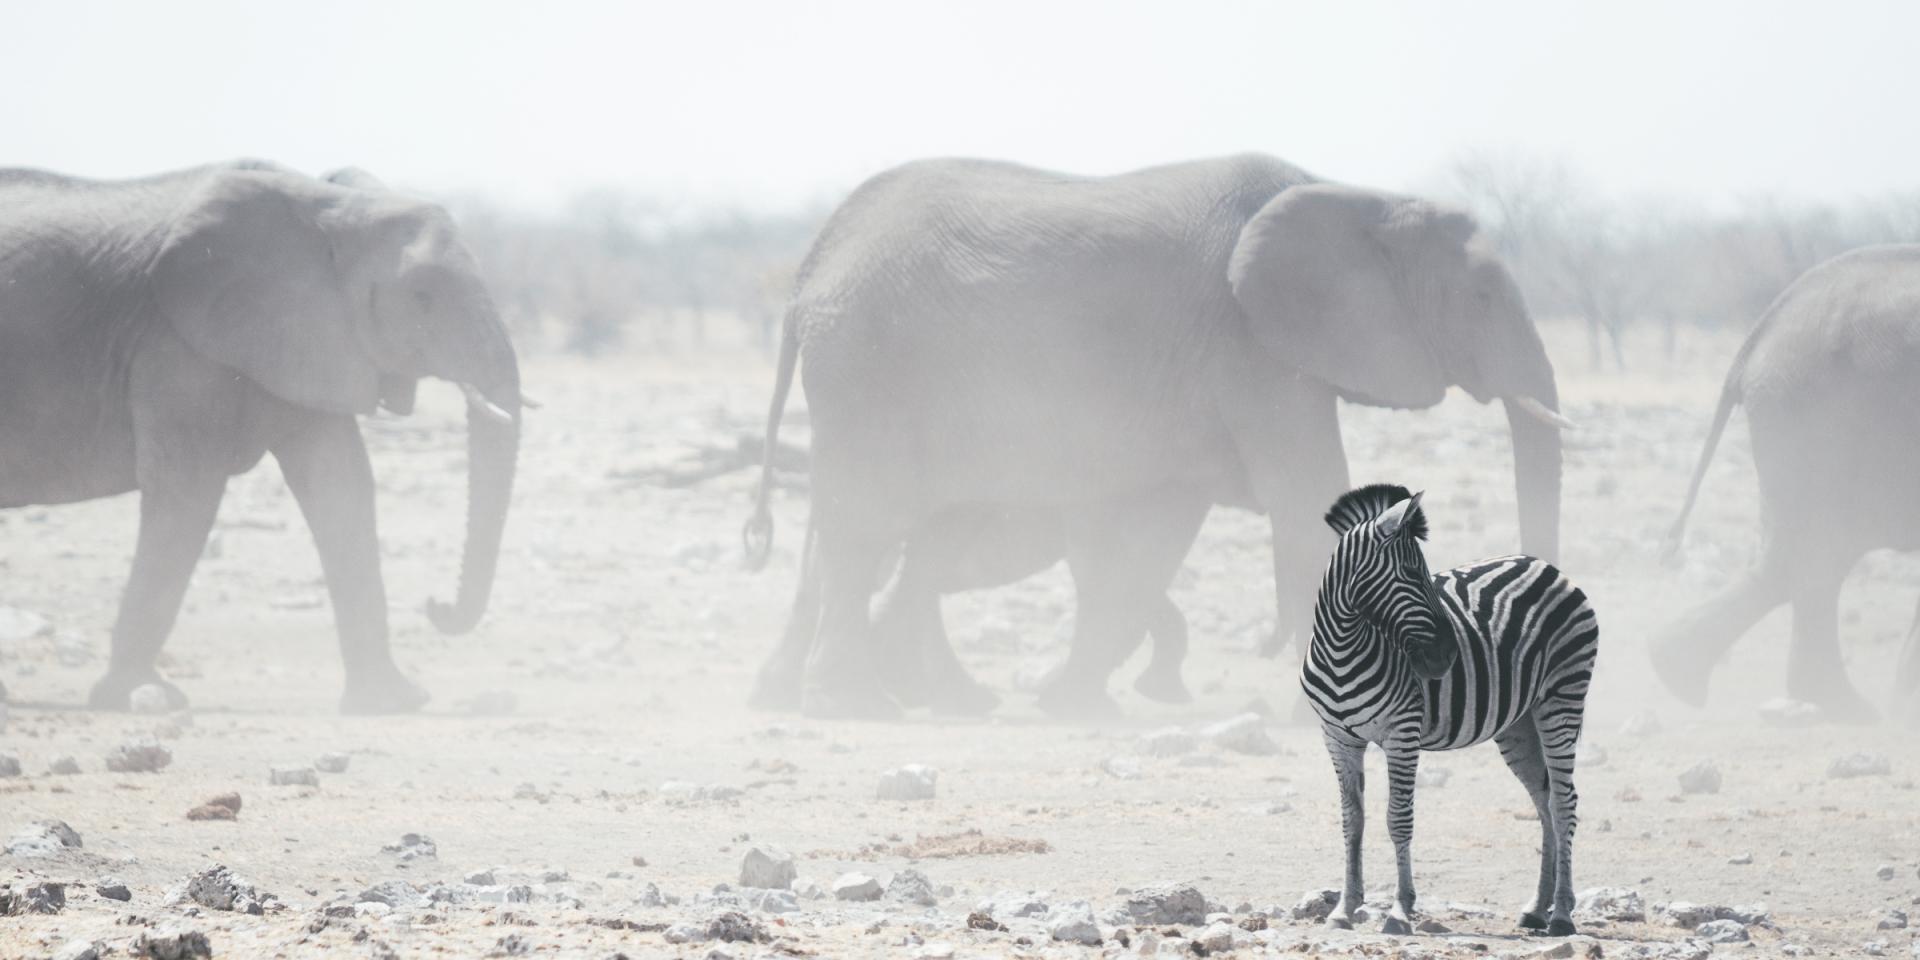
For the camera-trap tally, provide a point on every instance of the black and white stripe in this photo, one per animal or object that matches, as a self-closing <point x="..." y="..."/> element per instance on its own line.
<point x="1500" y="650"/>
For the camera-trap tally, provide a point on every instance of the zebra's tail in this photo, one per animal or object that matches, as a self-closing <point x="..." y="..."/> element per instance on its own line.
<point x="1729" y="398"/>
<point x="757" y="535"/>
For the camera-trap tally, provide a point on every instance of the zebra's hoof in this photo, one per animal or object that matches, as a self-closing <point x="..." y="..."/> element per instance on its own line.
<point x="1560" y="927"/>
<point x="1396" y="927"/>
<point x="1532" y="921"/>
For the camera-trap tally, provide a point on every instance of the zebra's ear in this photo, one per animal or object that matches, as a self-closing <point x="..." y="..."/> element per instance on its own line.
<point x="1403" y="518"/>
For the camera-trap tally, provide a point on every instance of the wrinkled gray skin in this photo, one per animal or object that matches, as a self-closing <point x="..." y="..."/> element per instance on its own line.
<point x="980" y="333"/>
<point x="163" y="334"/>
<point x="1830" y="377"/>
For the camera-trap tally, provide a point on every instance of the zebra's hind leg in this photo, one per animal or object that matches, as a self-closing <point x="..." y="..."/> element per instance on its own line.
<point x="1520" y="747"/>
<point x="1558" y="718"/>
<point x="1403" y="761"/>
<point x="1349" y="767"/>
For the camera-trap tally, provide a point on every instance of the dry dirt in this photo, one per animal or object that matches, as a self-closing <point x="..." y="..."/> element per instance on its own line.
<point x="627" y="634"/>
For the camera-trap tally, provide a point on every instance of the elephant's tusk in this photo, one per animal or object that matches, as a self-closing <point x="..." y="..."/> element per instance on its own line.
<point x="529" y="402"/>
<point x="1541" y="413"/>
<point x="479" y="403"/>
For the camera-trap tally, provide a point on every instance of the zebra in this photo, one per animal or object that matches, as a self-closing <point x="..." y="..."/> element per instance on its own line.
<point x="1501" y="649"/>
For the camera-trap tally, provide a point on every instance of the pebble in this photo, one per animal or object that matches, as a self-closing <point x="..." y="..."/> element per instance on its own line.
<point x="769" y="868"/>
<point x="293" y="777"/>
<point x="1165" y="903"/>
<point x="112" y="888"/>
<point x="64" y="766"/>
<point x="911" y="782"/>
<point x="734" y="927"/>
<point x="1886" y="871"/>
<point x="9" y="766"/>
<point x="331" y="763"/>
<point x="912" y="886"/>
<point x="1613" y="904"/>
<point x="1246" y="733"/>
<point x="1787" y="712"/>
<point x="1740" y="860"/>
<point x="1073" y="923"/>
<point x="479" y="878"/>
<point x="217" y="888"/>
<point x="78" y="950"/>
<point x="1874" y="948"/>
<point x="1702" y="777"/>
<point x="856" y="887"/>
<point x="1167" y="742"/>
<point x="1216" y="938"/>
<point x="148" y="699"/>
<point x="171" y="945"/>
<point x="223" y="807"/>
<point x="1012" y="904"/>
<point x="807" y="888"/>
<point x="1316" y="905"/>
<point x="18" y="624"/>
<point x="1722" y="931"/>
<point x="413" y="846"/>
<point x="1892" y="920"/>
<point x="1858" y="765"/>
<point x="46" y="897"/>
<point x="139" y="756"/>
<point x="43" y="838"/>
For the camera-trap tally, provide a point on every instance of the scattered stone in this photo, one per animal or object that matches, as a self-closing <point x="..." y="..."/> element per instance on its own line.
<point x="1074" y="923"/>
<point x="43" y="838"/>
<point x="1121" y="768"/>
<point x="412" y="846"/>
<point x="64" y="766"/>
<point x="1892" y="920"/>
<point x="511" y="945"/>
<point x="217" y="888"/>
<point x="112" y="888"/>
<point x="223" y="807"/>
<point x="911" y="782"/>
<point x="45" y="897"/>
<point x="1316" y="905"/>
<point x="1702" y="777"/>
<point x="17" y="624"/>
<point x="1164" y="904"/>
<point x="1722" y="931"/>
<point x="1216" y="938"/>
<point x="1011" y="904"/>
<point x="175" y="945"/>
<point x="1167" y="742"/>
<point x="331" y="763"/>
<point x="139" y="756"/>
<point x="1786" y="712"/>
<point x="393" y="894"/>
<point x="807" y="888"/>
<point x="912" y="886"/>
<point x="1874" y="948"/>
<point x="856" y="887"/>
<point x="148" y="699"/>
<point x="984" y="921"/>
<point x="293" y="777"/>
<point x="1740" y="860"/>
<point x="1886" y="871"/>
<point x="768" y="868"/>
<point x="1559" y="951"/>
<point x="1858" y="765"/>
<point x="1432" y="926"/>
<point x="1431" y="776"/>
<point x="734" y="927"/>
<point x="78" y="950"/>
<point x="9" y="766"/>
<point x="1246" y="733"/>
<point x="1612" y="904"/>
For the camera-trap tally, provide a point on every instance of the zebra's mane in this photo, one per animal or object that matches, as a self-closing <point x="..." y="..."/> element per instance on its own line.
<point x="1357" y="506"/>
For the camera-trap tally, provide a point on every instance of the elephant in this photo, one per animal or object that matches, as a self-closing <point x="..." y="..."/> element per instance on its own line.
<point x="1830" y="377"/>
<point x="980" y="333"/>
<point x="162" y="334"/>
<point x="966" y="549"/>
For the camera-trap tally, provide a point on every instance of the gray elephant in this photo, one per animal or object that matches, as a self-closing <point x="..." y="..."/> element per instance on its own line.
<point x="163" y="334"/>
<point x="981" y="333"/>
<point x="1830" y="377"/>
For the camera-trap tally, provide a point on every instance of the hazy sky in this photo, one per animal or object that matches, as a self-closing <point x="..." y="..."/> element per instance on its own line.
<point x="790" y="102"/>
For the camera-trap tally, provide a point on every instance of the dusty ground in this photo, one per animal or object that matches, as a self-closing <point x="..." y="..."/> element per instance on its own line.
<point x="626" y="631"/>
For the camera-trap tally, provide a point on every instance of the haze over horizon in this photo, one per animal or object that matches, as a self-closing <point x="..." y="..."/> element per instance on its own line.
<point x="1725" y="101"/>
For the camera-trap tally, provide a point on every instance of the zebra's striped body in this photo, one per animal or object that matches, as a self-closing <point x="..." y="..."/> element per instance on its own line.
<point x="1499" y="650"/>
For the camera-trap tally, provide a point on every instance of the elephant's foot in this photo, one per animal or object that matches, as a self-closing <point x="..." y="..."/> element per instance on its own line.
<point x="1560" y="927"/>
<point x="1077" y="702"/>
<point x="1836" y="697"/>
<point x="963" y="698"/>
<point x="381" y="693"/>
<point x="861" y="699"/>
<point x="904" y="677"/>
<point x="1533" y="920"/>
<point x="113" y="690"/>
<point x="1682" y="669"/>
<point x="1162" y="686"/>
<point x="775" y="690"/>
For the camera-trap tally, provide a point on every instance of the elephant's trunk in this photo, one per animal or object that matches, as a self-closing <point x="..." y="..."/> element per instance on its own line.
<point x="493" y="444"/>
<point x="1536" y="473"/>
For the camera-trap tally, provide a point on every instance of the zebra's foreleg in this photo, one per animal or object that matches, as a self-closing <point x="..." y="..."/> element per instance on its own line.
<point x="1520" y="747"/>
<point x="1349" y="767"/>
<point x="1403" y="761"/>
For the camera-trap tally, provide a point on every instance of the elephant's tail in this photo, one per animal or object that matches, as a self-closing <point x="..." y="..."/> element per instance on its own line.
<point x="757" y="536"/>
<point x="1729" y="398"/>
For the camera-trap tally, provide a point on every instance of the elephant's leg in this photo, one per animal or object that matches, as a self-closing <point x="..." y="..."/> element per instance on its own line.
<point x="1161" y="679"/>
<point x="1815" y="671"/>
<point x="176" y="514"/>
<point x="777" y="685"/>
<point x="840" y="677"/>
<point x="1684" y="655"/>
<point x="916" y="659"/>
<point x="1906" y="677"/>
<point x="325" y="463"/>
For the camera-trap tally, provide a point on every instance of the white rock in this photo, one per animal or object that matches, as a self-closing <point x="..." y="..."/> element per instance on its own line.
<point x="1787" y="712"/>
<point x="78" y="950"/>
<point x="1216" y="938"/>
<point x="64" y="766"/>
<point x="1167" y="742"/>
<point x="1246" y="733"/>
<point x="684" y="932"/>
<point x="912" y="886"/>
<point x="1722" y="931"/>
<point x="1858" y="765"/>
<point x="856" y="887"/>
<point x="1121" y="768"/>
<point x="1740" y="860"/>
<point x="17" y="624"/>
<point x="911" y="782"/>
<point x="768" y="868"/>
<point x="331" y="763"/>
<point x="293" y="777"/>
<point x="1165" y="903"/>
<point x="1012" y="904"/>
<point x="1702" y="777"/>
<point x="807" y="888"/>
<point x="43" y="839"/>
<point x="1316" y="905"/>
<point x="1073" y="923"/>
<point x="1613" y="904"/>
<point x="1874" y="948"/>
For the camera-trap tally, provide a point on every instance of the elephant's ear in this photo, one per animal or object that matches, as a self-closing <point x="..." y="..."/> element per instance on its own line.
<point x="1324" y="275"/>
<point x="248" y="277"/>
